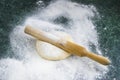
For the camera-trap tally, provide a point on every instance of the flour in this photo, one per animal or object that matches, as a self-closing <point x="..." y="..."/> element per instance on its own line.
<point x="32" y="67"/>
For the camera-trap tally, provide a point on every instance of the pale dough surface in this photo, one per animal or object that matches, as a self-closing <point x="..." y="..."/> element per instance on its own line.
<point x="51" y="52"/>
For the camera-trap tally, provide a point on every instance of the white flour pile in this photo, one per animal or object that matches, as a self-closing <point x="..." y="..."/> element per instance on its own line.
<point x="32" y="67"/>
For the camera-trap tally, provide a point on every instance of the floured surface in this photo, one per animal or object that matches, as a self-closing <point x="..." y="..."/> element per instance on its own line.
<point x="32" y="67"/>
<point x="51" y="52"/>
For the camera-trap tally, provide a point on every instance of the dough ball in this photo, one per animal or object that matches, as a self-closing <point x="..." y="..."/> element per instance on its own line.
<point x="51" y="52"/>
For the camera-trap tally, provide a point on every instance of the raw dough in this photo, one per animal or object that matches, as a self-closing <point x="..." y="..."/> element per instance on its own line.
<point x="51" y="52"/>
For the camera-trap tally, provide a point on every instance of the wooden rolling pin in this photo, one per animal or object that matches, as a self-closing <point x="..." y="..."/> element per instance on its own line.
<point x="68" y="46"/>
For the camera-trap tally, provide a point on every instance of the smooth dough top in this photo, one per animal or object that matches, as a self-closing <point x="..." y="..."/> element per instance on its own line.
<point x="51" y="52"/>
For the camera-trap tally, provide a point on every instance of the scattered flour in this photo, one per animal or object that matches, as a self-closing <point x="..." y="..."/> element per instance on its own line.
<point x="33" y="67"/>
